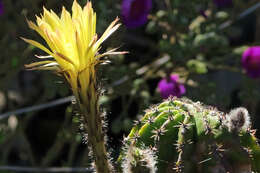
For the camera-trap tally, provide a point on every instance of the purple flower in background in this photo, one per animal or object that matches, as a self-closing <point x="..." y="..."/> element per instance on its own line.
<point x="134" y="12"/>
<point x="1" y="8"/>
<point x="171" y="87"/>
<point x="223" y="3"/>
<point x="251" y="61"/>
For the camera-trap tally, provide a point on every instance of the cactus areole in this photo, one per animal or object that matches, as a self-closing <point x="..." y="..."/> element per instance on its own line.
<point x="179" y="135"/>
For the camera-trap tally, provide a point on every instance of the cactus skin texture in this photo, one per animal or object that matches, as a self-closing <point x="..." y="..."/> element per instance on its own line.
<point x="179" y="135"/>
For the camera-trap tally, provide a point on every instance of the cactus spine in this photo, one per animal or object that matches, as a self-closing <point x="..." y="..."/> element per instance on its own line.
<point x="190" y="137"/>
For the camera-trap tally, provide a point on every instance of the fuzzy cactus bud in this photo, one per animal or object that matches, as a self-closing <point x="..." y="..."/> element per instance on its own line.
<point x="238" y="119"/>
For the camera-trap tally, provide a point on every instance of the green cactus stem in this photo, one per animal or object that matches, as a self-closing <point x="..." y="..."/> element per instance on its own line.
<point x="186" y="136"/>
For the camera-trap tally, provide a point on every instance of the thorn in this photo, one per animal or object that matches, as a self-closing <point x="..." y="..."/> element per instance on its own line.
<point x="220" y="118"/>
<point x="203" y="161"/>
<point x="208" y="129"/>
<point x="171" y="100"/>
<point x="158" y="133"/>
<point x="189" y="141"/>
<point x="252" y="131"/>
<point x="156" y="110"/>
<point x="137" y="122"/>
<point x="179" y="146"/>
<point x="153" y="148"/>
<point x="217" y="150"/>
<point x="125" y="139"/>
<point x="178" y="165"/>
<point x="150" y="120"/>
<point x="171" y="118"/>
<point x="152" y="110"/>
<point x="136" y="137"/>
<point x="171" y="115"/>
<point x="81" y="127"/>
<point x="249" y="152"/>
<point x="178" y="168"/>
<point x="183" y="125"/>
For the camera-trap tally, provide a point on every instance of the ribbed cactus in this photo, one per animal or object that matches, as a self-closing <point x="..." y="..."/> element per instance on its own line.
<point x="179" y="135"/>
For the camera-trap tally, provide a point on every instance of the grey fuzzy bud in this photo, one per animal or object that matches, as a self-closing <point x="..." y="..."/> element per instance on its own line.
<point x="238" y="119"/>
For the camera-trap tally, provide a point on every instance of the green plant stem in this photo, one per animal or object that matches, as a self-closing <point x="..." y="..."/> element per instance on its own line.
<point x="93" y="126"/>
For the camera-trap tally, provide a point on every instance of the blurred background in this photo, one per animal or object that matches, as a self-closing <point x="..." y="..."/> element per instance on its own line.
<point x="205" y="50"/>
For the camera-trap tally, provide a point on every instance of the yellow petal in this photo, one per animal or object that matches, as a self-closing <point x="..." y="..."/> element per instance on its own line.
<point x="63" y="57"/>
<point x="54" y="15"/>
<point x="35" y="64"/>
<point x="37" y="29"/>
<point x="43" y="65"/>
<point x="55" y="41"/>
<point x="51" y="68"/>
<point x="111" y="52"/>
<point x="76" y="10"/>
<point x="80" y="46"/>
<point x="72" y="42"/>
<point x="50" y="19"/>
<point x="38" y="45"/>
<point x="111" y="28"/>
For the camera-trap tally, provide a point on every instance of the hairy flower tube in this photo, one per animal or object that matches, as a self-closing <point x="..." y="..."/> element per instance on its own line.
<point x="72" y="52"/>
<point x="251" y="61"/>
<point x="170" y="86"/>
<point x="134" y="12"/>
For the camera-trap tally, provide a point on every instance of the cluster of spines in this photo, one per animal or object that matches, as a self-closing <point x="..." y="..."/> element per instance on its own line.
<point x="179" y="128"/>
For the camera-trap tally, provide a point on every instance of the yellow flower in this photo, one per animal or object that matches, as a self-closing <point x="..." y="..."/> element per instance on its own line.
<point x="73" y="44"/>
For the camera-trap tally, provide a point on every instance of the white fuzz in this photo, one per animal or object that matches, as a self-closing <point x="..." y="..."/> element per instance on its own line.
<point x="238" y="119"/>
